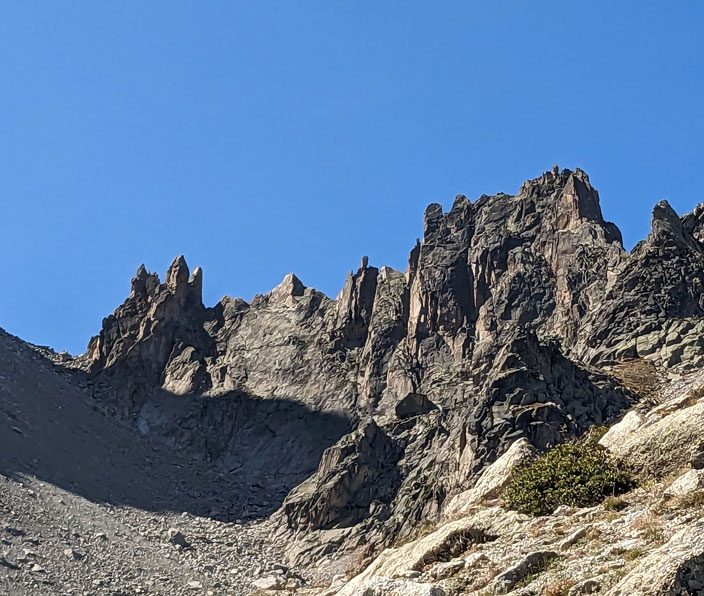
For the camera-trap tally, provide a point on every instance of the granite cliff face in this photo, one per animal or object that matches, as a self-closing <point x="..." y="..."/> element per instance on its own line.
<point x="500" y="329"/>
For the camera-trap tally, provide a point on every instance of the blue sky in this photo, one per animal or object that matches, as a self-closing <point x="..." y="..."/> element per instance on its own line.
<point x="259" y="138"/>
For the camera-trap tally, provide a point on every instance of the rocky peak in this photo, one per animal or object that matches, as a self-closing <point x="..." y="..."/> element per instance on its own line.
<point x="289" y="287"/>
<point x="579" y="201"/>
<point x="144" y="283"/>
<point x="570" y="195"/>
<point x="156" y="317"/>
<point x="693" y="222"/>
<point x="139" y="279"/>
<point x="438" y="225"/>
<point x="196" y="282"/>
<point x="653" y="304"/>
<point x="537" y="258"/>
<point x="355" y="305"/>
<point x="177" y="274"/>
<point x="440" y="277"/>
<point x="533" y="260"/>
<point x="180" y="284"/>
<point x="667" y="227"/>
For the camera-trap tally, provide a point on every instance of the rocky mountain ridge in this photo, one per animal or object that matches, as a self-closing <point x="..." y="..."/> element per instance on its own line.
<point x="517" y="321"/>
<point x="507" y="305"/>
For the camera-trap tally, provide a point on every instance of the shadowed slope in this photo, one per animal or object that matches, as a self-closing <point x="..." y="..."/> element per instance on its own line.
<point x="258" y="450"/>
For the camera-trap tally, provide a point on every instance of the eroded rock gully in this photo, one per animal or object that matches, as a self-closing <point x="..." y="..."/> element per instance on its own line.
<point x="357" y="420"/>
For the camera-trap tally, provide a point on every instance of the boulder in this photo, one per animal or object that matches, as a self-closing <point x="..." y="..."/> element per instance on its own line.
<point x="177" y="538"/>
<point x="689" y="482"/>
<point x="623" y="429"/>
<point x="270" y="583"/>
<point x="448" y="542"/>
<point x="573" y="538"/>
<point x="587" y="586"/>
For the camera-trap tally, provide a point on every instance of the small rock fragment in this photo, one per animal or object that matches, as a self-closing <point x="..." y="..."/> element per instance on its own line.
<point x="532" y="563"/>
<point x="5" y="563"/>
<point x="73" y="554"/>
<point x="588" y="586"/>
<point x="474" y="559"/>
<point x="274" y="582"/>
<point x="576" y="536"/>
<point x="448" y="569"/>
<point x="176" y="537"/>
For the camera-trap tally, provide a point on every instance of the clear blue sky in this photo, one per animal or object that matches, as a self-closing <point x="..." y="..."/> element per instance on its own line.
<point x="259" y="138"/>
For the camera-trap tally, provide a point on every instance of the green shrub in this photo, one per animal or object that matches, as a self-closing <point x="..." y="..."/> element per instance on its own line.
<point x="579" y="473"/>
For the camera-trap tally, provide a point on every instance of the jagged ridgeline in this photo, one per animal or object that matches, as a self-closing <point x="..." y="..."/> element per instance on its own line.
<point x="500" y="329"/>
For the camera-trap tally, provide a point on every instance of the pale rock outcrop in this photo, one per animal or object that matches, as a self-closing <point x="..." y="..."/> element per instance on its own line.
<point x="623" y="429"/>
<point x="449" y="541"/>
<point x="573" y="538"/>
<point x="494" y="478"/>
<point x="666" y="445"/>
<point x="184" y="373"/>
<point x="674" y="569"/>
<point x="447" y="569"/>
<point x="685" y="400"/>
<point x="690" y="482"/>
<point x="383" y="586"/>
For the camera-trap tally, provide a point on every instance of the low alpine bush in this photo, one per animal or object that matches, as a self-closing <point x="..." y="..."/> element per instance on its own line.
<point x="579" y="474"/>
